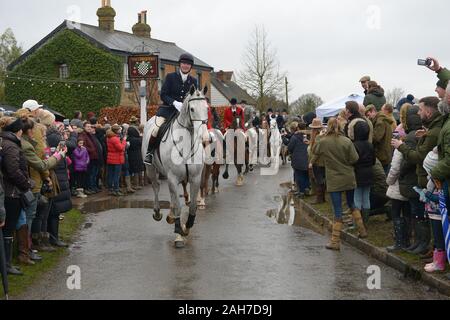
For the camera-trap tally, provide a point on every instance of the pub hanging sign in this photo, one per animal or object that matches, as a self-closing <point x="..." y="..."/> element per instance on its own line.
<point x="143" y="67"/>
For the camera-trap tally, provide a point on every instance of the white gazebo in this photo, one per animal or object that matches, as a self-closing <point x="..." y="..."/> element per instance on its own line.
<point x="332" y="108"/>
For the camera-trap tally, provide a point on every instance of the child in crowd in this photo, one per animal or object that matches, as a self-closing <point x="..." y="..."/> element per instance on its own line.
<point x="80" y="164"/>
<point x="430" y="197"/>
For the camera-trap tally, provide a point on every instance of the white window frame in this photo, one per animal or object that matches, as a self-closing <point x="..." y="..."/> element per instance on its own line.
<point x="63" y="71"/>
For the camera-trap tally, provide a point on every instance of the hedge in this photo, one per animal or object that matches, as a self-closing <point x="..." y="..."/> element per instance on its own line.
<point x="123" y="115"/>
<point x="85" y="61"/>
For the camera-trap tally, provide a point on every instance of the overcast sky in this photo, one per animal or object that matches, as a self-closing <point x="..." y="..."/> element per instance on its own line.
<point x="324" y="45"/>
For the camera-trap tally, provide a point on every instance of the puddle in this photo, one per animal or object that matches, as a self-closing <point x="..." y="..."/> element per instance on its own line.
<point x="118" y="203"/>
<point x="290" y="212"/>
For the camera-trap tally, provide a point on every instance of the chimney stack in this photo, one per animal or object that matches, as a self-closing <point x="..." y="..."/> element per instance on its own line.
<point x="141" y="28"/>
<point x="106" y="15"/>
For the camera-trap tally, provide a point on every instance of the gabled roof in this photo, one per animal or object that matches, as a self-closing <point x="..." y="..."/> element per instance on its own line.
<point x="119" y="42"/>
<point x="230" y="90"/>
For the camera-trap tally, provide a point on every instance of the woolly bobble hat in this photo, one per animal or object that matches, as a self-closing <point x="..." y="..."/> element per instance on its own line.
<point x="431" y="161"/>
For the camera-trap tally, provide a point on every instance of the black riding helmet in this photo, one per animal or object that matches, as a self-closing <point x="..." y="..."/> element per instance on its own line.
<point x="186" y="58"/>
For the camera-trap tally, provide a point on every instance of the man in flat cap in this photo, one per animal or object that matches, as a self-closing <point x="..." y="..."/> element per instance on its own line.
<point x="365" y="84"/>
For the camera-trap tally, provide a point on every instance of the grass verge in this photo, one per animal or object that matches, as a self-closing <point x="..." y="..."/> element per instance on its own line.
<point x="68" y="229"/>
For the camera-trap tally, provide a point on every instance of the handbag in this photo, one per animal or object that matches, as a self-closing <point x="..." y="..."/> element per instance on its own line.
<point x="56" y="189"/>
<point x="27" y="199"/>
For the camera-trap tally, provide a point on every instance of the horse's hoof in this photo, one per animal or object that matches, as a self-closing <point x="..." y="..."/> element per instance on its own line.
<point x="225" y="176"/>
<point x="170" y="219"/>
<point x="157" y="216"/>
<point x="179" y="242"/>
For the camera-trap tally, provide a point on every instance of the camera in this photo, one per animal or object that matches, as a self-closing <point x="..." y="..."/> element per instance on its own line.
<point x="62" y="145"/>
<point x="396" y="135"/>
<point x="424" y="62"/>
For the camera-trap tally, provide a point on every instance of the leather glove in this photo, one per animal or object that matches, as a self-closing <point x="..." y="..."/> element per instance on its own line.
<point x="177" y="105"/>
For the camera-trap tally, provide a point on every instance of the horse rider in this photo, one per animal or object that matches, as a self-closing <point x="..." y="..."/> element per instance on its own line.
<point x="269" y="115"/>
<point x="175" y="89"/>
<point x="231" y="113"/>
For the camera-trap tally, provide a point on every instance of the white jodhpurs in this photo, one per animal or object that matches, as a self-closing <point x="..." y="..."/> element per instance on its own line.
<point x="159" y="121"/>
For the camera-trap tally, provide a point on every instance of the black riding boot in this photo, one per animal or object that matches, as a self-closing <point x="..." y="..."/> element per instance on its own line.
<point x="53" y="230"/>
<point x="151" y="149"/>
<point x="8" y="255"/>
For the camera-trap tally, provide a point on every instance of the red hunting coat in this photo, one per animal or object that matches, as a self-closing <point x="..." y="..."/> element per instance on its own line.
<point x="228" y="118"/>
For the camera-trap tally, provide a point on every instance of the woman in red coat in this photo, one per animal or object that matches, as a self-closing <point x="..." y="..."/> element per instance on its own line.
<point x="115" y="159"/>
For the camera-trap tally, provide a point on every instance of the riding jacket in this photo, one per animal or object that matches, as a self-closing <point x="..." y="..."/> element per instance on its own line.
<point x="174" y="89"/>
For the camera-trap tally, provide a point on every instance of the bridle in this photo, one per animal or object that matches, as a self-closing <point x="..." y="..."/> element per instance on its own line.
<point x="190" y="129"/>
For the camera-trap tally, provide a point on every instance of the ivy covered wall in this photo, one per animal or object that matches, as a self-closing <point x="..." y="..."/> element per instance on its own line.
<point x="85" y="62"/>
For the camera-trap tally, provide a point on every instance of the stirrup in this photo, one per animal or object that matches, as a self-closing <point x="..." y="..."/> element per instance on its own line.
<point x="149" y="159"/>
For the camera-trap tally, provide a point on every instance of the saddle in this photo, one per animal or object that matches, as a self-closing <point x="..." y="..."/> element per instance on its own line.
<point x="164" y="128"/>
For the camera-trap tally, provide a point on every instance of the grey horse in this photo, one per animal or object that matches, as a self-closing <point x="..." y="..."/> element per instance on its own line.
<point x="181" y="158"/>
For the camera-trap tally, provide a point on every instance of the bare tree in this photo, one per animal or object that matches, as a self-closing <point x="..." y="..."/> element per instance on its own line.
<point x="261" y="75"/>
<point x="9" y="51"/>
<point x="393" y="96"/>
<point x="306" y="103"/>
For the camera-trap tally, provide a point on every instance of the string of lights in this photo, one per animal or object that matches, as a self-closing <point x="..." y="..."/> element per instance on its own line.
<point x="28" y="77"/>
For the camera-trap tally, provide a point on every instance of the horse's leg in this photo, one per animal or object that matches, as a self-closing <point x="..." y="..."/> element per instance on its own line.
<point x="205" y="184"/>
<point x="215" y="178"/>
<point x="176" y="207"/>
<point x="247" y="160"/>
<point x="185" y="193"/>
<point x="153" y="175"/>
<point x="195" y="188"/>
<point x="203" y="188"/>
<point x="240" y="178"/>
<point x="225" y="174"/>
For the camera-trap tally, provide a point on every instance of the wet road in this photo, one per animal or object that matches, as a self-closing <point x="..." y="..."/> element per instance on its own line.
<point x="234" y="252"/>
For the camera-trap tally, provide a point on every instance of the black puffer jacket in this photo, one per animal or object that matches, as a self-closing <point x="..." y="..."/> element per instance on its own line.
<point x="135" y="161"/>
<point x="366" y="152"/>
<point x="408" y="177"/>
<point x="100" y="133"/>
<point x="62" y="202"/>
<point x="14" y="166"/>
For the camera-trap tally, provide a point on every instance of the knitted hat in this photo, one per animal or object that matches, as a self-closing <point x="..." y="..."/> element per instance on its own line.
<point x="77" y="123"/>
<point x="431" y="160"/>
<point x="15" y="126"/>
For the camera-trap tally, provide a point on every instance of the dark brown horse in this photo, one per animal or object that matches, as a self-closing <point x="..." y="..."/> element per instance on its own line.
<point x="238" y="133"/>
<point x="212" y="168"/>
